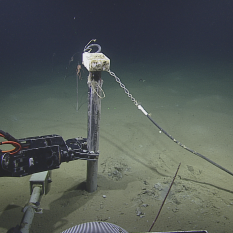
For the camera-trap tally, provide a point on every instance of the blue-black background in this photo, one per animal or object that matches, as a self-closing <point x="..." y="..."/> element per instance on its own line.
<point x="35" y="30"/>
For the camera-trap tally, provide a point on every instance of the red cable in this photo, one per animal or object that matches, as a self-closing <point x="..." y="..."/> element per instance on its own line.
<point x="17" y="146"/>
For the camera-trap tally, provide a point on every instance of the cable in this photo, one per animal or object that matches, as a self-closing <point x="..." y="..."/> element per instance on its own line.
<point x="89" y="46"/>
<point x="11" y="140"/>
<point x="165" y="198"/>
<point x="161" y="129"/>
<point x="188" y="149"/>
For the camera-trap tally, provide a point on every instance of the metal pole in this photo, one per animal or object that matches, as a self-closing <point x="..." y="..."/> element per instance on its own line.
<point x="30" y="210"/>
<point x="94" y="110"/>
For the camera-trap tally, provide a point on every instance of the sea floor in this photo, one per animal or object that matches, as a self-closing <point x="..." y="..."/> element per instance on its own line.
<point x="191" y="99"/>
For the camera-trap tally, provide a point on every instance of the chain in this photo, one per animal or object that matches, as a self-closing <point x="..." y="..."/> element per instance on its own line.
<point x="123" y="87"/>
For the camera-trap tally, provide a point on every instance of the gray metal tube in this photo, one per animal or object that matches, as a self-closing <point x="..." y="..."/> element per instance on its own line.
<point x="27" y="219"/>
<point x="30" y="211"/>
<point x="35" y="197"/>
<point x="94" y="110"/>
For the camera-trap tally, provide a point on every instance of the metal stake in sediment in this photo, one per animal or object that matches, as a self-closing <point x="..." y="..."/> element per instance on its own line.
<point x="94" y="110"/>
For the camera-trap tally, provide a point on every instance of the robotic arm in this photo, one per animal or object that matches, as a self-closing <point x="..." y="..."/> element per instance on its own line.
<point x="41" y="153"/>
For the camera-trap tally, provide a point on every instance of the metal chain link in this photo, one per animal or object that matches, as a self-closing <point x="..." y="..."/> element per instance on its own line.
<point x="123" y="87"/>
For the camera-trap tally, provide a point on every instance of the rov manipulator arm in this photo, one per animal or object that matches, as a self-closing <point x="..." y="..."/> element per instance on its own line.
<point x="41" y="153"/>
